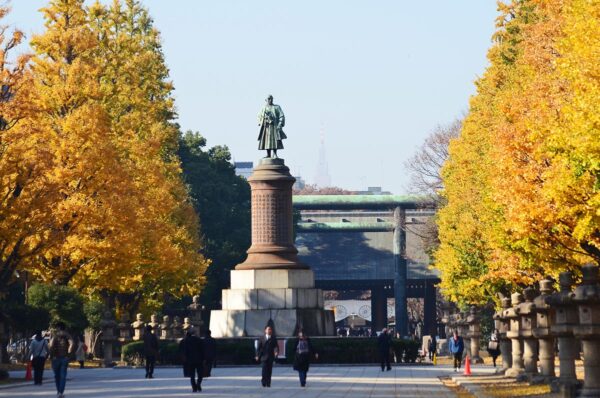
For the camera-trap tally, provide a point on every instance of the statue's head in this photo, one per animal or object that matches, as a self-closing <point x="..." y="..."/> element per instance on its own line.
<point x="270" y="100"/>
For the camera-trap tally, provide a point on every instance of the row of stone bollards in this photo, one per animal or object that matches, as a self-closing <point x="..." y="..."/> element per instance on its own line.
<point x="126" y="331"/>
<point x="533" y="324"/>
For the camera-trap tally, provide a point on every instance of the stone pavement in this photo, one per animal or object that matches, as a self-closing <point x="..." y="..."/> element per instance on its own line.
<point x="323" y="381"/>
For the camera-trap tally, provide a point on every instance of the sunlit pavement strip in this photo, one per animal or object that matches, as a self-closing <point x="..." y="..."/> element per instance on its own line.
<point x="338" y="381"/>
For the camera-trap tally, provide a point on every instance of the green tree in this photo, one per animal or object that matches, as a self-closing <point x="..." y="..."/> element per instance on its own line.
<point x="222" y="200"/>
<point x="63" y="303"/>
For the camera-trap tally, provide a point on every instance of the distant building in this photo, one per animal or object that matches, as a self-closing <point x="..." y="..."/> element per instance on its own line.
<point x="299" y="184"/>
<point x="244" y="169"/>
<point x="322" y="178"/>
<point x="373" y="191"/>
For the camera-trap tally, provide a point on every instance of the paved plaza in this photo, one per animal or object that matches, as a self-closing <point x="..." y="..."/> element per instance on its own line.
<point x="323" y="381"/>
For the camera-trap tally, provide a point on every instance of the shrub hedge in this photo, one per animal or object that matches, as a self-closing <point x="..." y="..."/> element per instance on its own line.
<point x="240" y="351"/>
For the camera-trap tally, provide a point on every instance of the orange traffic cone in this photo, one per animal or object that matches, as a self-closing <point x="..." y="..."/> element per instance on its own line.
<point x="467" y="366"/>
<point x="28" y="375"/>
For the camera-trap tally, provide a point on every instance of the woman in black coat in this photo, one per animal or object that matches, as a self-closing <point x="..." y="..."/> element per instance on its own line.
<point x="302" y="354"/>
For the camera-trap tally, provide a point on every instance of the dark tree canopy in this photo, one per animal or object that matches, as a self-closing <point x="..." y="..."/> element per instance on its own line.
<point x="222" y="201"/>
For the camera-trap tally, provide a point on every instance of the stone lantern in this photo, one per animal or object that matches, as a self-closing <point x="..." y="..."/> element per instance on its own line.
<point x="177" y="328"/>
<point x="155" y="325"/>
<point x="474" y="334"/>
<point x="195" y="313"/>
<point x="138" y="327"/>
<point x="514" y="334"/>
<point x="166" y="329"/>
<point x="566" y="318"/>
<point x="545" y="319"/>
<point x="502" y="325"/>
<point x="124" y="328"/>
<point x="463" y="330"/>
<point x="187" y="325"/>
<point x="528" y="323"/>
<point x="587" y="297"/>
<point x="108" y="338"/>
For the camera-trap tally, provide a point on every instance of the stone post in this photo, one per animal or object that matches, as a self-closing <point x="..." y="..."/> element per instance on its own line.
<point x="195" y="314"/>
<point x="545" y="319"/>
<point x="177" y="328"/>
<point x="138" y="327"/>
<point x="514" y="334"/>
<point x="463" y="328"/>
<point x="124" y="328"/>
<point x="474" y="334"/>
<point x="502" y="324"/>
<point x="166" y="329"/>
<point x="108" y="338"/>
<point x="587" y="297"/>
<point x="528" y="323"/>
<point x="566" y="318"/>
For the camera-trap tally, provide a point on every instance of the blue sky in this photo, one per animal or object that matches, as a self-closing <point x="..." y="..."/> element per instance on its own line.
<point x="375" y="76"/>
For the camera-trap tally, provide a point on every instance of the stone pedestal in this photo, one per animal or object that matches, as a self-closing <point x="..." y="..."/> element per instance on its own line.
<point x="528" y="323"/>
<point x="474" y="334"/>
<point x="514" y="334"/>
<point x="272" y="284"/>
<point x="545" y="319"/>
<point x="587" y="297"/>
<point x="566" y="319"/>
<point x="503" y="326"/>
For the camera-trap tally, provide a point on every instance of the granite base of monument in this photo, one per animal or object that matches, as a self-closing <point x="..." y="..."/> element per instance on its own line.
<point x="287" y="297"/>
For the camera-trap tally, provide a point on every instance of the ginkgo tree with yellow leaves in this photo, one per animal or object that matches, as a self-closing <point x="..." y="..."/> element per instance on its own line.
<point x="112" y="215"/>
<point x="521" y="182"/>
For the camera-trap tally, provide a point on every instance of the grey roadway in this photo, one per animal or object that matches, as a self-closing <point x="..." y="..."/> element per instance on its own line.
<point x="323" y="381"/>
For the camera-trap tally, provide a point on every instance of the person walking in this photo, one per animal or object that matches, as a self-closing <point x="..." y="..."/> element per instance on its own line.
<point x="494" y="347"/>
<point x="80" y="352"/>
<point x="61" y="346"/>
<point x="150" y="351"/>
<point x="38" y="351"/>
<point x="210" y="352"/>
<point x="302" y="353"/>
<point x="456" y="347"/>
<point x="432" y="349"/>
<point x="266" y="353"/>
<point x="193" y="356"/>
<point x="384" y="343"/>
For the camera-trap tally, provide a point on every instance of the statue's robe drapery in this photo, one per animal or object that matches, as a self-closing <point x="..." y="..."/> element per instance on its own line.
<point x="271" y="121"/>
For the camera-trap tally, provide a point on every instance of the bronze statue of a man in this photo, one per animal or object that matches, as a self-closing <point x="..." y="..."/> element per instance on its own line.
<point x="271" y="121"/>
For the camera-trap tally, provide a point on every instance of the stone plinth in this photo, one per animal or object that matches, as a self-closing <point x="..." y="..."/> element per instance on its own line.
<point x="503" y="326"/>
<point x="545" y="319"/>
<point x="272" y="284"/>
<point x="514" y="334"/>
<point x="587" y="297"/>
<point x="566" y="319"/>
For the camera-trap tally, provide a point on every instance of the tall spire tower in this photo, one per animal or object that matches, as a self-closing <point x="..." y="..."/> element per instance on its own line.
<point x="322" y="178"/>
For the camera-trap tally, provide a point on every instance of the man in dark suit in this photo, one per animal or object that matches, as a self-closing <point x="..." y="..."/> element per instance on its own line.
<point x="266" y="353"/>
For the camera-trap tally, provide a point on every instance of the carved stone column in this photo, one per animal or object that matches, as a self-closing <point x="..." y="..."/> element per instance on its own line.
<point x="195" y="314"/>
<point x="545" y="319"/>
<point x="514" y="334"/>
<point x="528" y="323"/>
<point x="587" y="297"/>
<point x="108" y="338"/>
<point x="566" y="318"/>
<point x="473" y="322"/>
<point x="503" y="326"/>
